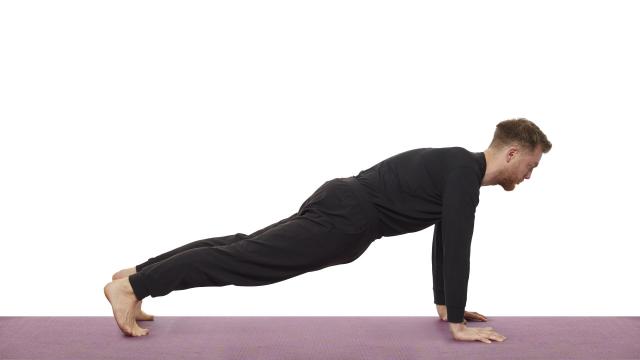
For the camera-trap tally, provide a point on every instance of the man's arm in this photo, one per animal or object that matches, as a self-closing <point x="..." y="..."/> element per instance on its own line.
<point x="436" y="266"/>
<point x="459" y="200"/>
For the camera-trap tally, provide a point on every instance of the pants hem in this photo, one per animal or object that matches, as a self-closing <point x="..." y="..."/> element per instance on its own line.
<point x="137" y="283"/>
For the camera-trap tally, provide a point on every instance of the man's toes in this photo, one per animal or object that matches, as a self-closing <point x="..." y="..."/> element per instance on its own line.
<point x="138" y="331"/>
<point x="134" y="330"/>
<point x="141" y="315"/>
<point x="144" y="317"/>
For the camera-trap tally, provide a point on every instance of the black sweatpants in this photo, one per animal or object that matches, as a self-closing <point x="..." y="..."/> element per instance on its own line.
<point x="335" y="225"/>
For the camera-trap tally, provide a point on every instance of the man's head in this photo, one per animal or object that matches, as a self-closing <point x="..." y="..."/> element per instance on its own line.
<point x="516" y="149"/>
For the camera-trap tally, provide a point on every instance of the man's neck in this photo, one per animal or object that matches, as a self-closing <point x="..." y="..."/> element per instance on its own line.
<point x="491" y="172"/>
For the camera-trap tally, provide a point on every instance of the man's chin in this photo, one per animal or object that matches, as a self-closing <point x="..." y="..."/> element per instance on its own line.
<point x="509" y="187"/>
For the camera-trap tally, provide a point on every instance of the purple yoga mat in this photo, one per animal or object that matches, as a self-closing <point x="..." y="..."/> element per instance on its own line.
<point x="308" y="338"/>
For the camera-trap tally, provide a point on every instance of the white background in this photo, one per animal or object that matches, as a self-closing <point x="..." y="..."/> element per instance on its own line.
<point x="129" y="128"/>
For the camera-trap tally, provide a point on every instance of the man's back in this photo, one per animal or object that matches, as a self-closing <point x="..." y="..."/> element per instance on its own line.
<point x="407" y="189"/>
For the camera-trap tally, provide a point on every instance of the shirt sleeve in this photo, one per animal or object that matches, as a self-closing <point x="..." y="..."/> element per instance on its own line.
<point x="459" y="200"/>
<point x="436" y="266"/>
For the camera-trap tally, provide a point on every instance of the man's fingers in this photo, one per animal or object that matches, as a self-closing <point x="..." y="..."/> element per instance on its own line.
<point x="493" y="335"/>
<point x="474" y="316"/>
<point x="480" y="316"/>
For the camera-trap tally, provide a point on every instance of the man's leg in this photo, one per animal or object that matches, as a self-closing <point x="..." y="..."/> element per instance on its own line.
<point x="210" y="242"/>
<point x="283" y="251"/>
<point x="315" y="237"/>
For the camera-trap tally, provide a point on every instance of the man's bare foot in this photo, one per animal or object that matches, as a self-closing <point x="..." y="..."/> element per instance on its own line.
<point x="140" y="315"/>
<point x="123" y="302"/>
<point x="123" y="273"/>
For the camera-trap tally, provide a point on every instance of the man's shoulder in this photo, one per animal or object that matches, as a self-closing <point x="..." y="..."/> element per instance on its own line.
<point x="442" y="151"/>
<point x="438" y="159"/>
<point x="457" y="150"/>
<point x="454" y="156"/>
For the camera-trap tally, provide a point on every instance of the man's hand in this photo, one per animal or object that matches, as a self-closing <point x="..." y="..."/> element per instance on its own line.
<point x="468" y="315"/>
<point x="484" y="334"/>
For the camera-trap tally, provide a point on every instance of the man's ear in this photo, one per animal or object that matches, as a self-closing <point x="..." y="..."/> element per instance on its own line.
<point x="511" y="153"/>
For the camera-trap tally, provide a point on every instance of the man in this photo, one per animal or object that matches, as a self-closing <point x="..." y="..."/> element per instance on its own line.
<point x="405" y="193"/>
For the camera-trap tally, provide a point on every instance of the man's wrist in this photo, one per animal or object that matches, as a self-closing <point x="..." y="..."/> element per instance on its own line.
<point x="455" y="314"/>
<point x="454" y="327"/>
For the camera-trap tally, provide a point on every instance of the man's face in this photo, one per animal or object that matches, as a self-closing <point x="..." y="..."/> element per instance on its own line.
<point x="519" y="165"/>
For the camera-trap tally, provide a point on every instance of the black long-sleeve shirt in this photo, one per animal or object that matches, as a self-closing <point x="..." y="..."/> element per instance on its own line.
<point x="432" y="186"/>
